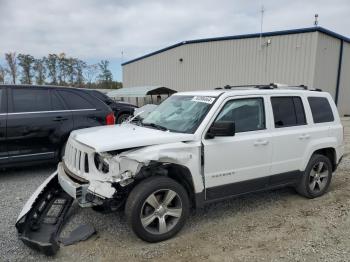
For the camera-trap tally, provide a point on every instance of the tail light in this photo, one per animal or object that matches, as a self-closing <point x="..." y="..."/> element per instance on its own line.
<point x="110" y="119"/>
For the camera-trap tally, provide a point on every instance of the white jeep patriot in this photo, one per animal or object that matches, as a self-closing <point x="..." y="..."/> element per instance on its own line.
<point x="199" y="147"/>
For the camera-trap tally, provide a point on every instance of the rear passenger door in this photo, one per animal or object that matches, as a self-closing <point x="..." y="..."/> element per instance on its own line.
<point x="85" y="114"/>
<point x="37" y="122"/>
<point x="290" y="137"/>
<point x="3" y="120"/>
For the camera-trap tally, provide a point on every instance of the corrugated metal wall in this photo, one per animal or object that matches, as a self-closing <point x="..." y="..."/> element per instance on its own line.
<point x="344" y="87"/>
<point x="287" y="59"/>
<point x="306" y="58"/>
<point x="326" y="64"/>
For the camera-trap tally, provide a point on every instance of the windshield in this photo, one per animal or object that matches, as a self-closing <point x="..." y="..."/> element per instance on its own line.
<point x="179" y="113"/>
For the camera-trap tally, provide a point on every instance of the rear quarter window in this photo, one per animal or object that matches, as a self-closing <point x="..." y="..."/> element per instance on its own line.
<point x="75" y="101"/>
<point x="1" y="100"/>
<point x="321" y="109"/>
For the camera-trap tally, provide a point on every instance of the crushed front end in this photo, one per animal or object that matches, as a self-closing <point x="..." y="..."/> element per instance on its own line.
<point x="92" y="178"/>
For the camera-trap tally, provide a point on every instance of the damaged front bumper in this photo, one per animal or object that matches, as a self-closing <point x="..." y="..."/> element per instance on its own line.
<point x="87" y="193"/>
<point x="42" y="217"/>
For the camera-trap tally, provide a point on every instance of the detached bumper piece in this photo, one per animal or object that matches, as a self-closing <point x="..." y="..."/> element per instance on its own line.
<point x="40" y="226"/>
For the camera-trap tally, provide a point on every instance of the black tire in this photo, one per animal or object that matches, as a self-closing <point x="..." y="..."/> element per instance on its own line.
<point x="316" y="178"/>
<point x="137" y="205"/>
<point x="122" y="118"/>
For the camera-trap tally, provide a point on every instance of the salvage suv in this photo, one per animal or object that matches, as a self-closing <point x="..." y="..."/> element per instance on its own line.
<point x="200" y="147"/>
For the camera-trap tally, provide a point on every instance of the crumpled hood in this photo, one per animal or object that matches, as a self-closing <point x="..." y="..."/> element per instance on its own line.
<point x="109" y="138"/>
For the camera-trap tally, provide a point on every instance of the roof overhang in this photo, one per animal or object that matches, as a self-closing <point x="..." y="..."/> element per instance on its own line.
<point x="141" y="91"/>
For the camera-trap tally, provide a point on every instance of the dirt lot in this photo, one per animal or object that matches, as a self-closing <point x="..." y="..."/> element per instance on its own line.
<point x="272" y="226"/>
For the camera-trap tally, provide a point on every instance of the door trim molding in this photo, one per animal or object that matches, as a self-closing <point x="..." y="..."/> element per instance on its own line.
<point x="252" y="185"/>
<point x="53" y="111"/>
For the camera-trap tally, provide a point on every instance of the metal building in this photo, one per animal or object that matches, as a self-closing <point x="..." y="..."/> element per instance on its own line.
<point x="315" y="57"/>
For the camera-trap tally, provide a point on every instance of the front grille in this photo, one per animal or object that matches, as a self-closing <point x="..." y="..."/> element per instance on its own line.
<point x="76" y="160"/>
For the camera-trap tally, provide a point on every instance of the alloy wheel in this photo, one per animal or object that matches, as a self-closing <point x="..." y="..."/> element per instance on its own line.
<point x="161" y="211"/>
<point x="318" y="178"/>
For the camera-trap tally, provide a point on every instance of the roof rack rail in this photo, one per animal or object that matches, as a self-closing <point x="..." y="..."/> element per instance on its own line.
<point x="270" y="86"/>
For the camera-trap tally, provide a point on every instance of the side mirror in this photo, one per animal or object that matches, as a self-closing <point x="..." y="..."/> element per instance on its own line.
<point x="221" y="128"/>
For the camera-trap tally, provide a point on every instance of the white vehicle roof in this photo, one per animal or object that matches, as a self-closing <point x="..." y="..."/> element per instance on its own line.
<point x="235" y="91"/>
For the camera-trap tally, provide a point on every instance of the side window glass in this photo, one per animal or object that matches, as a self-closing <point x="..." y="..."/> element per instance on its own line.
<point x="248" y="114"/>
<point x="30" y="100"/>
<point x="56" y="102"/>
<point x="75" y="101"/>
<point x="1" y="100"/>
<point x="299" y="111"/>
<point x="321" y="109"/>
<point x="288" y="111"/>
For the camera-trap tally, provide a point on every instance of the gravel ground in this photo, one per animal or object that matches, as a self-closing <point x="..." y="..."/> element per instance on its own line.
<point x="272" y="226"/>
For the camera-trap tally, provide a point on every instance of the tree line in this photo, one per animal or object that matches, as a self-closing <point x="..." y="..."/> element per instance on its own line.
<point x="56" y="69"/>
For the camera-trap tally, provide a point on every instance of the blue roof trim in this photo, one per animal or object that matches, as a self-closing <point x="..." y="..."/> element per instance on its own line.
<point x="275" y="33"/>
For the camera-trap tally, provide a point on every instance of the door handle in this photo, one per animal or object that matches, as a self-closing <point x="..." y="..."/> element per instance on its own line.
<point x="261" y="142"/>
<point x="304" y="136"/>
<point x="59" y="118"/>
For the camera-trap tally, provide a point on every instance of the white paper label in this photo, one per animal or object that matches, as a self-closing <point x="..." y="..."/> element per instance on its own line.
<point x="203" y="99"/>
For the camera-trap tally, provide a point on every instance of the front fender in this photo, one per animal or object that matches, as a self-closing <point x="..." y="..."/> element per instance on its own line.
<point x="184" y="154"/>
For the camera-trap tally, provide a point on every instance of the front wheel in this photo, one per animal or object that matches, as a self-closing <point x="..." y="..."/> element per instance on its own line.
<point x="157" y="209"/>
<point x="317" y="177"/>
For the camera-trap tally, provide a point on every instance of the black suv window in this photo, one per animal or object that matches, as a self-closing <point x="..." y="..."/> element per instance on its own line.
<point x="56" y="101"/>
<point x="1" y="98"/>
<point x="102" y="97"/>
<point x="321" y="109"/>
<point x="248" y="114"/>
<point x="75" y="101"/>
<point x="30" y="100"/>
<point x="288" y="111"/>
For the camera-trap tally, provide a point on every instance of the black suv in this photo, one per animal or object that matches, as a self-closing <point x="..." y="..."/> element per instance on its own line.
<point x="35" y="121"/>
<point x="122" y="110"/>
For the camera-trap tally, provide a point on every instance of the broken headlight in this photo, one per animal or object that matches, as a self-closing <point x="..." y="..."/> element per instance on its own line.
<point x="101" y="163"/>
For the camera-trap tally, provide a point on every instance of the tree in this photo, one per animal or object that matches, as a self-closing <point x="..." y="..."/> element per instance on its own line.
<point x="3" y="72"/>
<point x="105" y="76"/>
<point x="40" y="71"/>
<point x="79" y="67"/>
<point x="11" y="60"/>
<point x="64" y="69"/>
<point x="51" y="64"/>
<point x="90" y="73"/>
<point x="26" y="62"/>
<point x="71" y="70"/>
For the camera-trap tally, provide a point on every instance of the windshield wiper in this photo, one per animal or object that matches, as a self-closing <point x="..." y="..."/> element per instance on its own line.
<point x="155" y="126"/>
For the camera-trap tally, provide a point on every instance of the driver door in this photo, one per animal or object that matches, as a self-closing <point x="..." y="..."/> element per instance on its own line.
<point x="241" y="163"/>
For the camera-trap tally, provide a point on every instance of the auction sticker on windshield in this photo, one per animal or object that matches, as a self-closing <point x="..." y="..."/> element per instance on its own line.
<point x="203" y="99"/>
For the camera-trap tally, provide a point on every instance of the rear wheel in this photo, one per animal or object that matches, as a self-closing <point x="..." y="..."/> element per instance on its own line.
<point x="317" y="177"/>
<point x="157" y="209"/>
<point x="122" y="118"/>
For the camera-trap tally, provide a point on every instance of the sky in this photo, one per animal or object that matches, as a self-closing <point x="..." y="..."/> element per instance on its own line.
<point x="120" y="30"/>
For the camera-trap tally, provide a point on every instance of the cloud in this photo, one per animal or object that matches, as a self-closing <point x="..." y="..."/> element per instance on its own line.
<point x="97" y="29"/>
